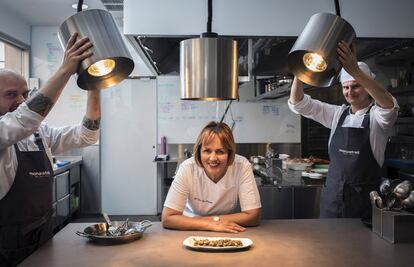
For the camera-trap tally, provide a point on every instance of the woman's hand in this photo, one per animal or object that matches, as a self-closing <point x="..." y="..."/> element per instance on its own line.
<point x="76" y="51"/>
<point x="226" y="226"/>
<point x="347" y="57"/>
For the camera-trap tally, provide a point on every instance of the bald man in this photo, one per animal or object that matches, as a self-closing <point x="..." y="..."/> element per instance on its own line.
<point x="26" y="146"/>
<point x="359" y="133"/>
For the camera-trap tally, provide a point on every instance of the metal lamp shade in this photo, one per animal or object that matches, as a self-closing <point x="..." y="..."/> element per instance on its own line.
<point x="208" y="69"/>
<point x="113" y="59"/>
<point x="320" y="36"/>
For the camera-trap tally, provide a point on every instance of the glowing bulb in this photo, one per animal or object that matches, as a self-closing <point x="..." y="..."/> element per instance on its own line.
<point x="314" y="62"/>
<point x="102" y="67"/>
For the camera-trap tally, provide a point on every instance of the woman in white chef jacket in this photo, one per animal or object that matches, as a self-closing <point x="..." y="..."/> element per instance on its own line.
<point x="208" y="186"/>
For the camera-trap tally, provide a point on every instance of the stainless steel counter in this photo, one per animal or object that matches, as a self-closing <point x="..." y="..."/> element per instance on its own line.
<point x="294" y="178"/>
<point x="72" y="162"/>
<point x="328" y="242"/>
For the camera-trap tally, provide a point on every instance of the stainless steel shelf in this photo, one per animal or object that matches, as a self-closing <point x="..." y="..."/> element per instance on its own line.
<point x="405" y="120"/>
<point x="402" y="90"/>
<point x="401" y="139"/>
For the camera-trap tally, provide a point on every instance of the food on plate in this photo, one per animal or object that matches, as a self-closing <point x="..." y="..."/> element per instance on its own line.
<point x="218" y="243"/>
<point x="318" y="160"/>
<point x="300" y="160"/>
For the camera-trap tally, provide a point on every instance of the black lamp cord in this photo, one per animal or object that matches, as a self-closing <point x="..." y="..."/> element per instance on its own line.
<point x="337" y="9"/>
<point x="209" y="33"/>
<point x="80" y="4"/>
<point x="225" y="112"/>
<point x="210" y="15"/>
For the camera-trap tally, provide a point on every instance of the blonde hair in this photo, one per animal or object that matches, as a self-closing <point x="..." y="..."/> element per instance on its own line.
<point x="211" y="130"/>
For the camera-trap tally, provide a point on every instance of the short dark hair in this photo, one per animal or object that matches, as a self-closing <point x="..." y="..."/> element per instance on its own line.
<point x="223" y="132"/>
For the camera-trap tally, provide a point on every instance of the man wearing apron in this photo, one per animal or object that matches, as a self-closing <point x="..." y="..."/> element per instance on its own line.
<point x="26" y="210"/>
<point x="26" y="144"/>
<point x="359" y="134"/>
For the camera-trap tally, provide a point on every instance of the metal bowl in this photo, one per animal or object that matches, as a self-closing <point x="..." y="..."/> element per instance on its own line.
<point x="402" y="190"/>
<point x="99" y="232"/>
<point x="409" y="201"/>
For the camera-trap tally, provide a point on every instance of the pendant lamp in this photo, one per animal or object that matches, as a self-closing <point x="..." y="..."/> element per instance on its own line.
<point x="209" y="66"/>
<point x="313" y="58"/>
<point x="111" y="61"/>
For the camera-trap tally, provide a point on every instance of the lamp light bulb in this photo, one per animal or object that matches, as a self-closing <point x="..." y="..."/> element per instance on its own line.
<point x="314" y="62"/>
<point x="102" y="67"/>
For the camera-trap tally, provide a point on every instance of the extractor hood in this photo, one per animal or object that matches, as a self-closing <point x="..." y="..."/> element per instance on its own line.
<point x="156" y="28"/>
<point x="267" y="55"/>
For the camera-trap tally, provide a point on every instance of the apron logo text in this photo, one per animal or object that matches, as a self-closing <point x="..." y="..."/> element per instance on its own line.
<point x="43" y="174"/>
<point x="349" y="152"/>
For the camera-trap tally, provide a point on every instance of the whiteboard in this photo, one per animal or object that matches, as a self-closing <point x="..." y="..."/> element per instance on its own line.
<point x="181" y="121"/>
<point x="47" y="56"/>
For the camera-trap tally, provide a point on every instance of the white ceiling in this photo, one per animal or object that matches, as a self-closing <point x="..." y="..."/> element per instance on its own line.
<point x="46" y="12"/>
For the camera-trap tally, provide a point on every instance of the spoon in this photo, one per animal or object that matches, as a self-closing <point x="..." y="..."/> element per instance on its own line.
<point x="111" y="229"/>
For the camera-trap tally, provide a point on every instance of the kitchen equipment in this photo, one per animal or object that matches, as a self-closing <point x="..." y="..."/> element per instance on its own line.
<point x="409" y="201"/>
<point x="111" y="229"/>
<point x="402" y="190"/>
<point x="385" y="187"/>
<point x="393" y="226"/>
<point x="376" y="200"/>
<point x="99" y="232"/>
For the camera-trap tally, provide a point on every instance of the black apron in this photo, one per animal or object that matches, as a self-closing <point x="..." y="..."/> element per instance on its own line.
<point x="353" y="172"/>
<point x="26" y="210"/>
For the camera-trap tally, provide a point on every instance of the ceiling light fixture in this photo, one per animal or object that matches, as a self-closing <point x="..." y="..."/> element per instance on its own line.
<point x="111" y="61"/>
<point x="209" y="66"/>
<point x="313" y="58"/>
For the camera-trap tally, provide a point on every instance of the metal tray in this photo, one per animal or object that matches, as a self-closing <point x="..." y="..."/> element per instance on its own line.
<point x="99" y="232"/>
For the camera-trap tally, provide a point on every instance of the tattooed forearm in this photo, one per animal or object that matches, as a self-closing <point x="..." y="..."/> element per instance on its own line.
<point x="40" y="104"/>
<point x="91" y="124"/>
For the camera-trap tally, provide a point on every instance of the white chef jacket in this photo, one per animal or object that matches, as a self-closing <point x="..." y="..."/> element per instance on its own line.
<point x="194" y="194"/>
<point x="381" y="120"/>
<point x="18" y="127"/>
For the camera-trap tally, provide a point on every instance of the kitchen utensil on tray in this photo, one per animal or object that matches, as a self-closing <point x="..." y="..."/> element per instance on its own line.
<point x="111" y="229"/>
<point x="99" y="232"/>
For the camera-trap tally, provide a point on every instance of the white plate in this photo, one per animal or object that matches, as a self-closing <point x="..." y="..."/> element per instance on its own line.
<point x="322" y="171"/>
<point x="189" y="243"/>
<point x="299" y="166"/>
<point x="283" y="156"/>
<point x="314" y="175"/>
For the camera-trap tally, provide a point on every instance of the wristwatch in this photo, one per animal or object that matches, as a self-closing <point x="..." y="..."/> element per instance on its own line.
<point x="216" y="218"/>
